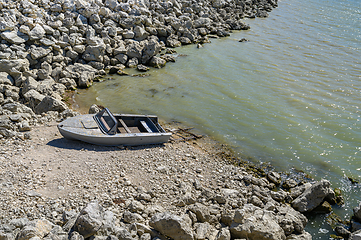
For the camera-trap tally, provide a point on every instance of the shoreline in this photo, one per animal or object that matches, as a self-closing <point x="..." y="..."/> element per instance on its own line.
<point x="190" y="187"/>
<point x="194" y="174"/>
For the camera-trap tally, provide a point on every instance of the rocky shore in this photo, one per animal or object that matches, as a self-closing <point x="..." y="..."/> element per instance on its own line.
<point x="56" y="189"/>
<point x="53" y="188"/>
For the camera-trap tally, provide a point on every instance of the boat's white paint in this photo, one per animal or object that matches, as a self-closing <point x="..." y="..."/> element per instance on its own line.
<point x="72" y="128"/>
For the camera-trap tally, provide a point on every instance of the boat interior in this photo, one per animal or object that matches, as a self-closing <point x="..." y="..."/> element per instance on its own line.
<point x="115" y="124"/>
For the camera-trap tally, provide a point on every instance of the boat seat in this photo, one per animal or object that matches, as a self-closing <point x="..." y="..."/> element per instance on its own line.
<point x="145" y="125"/>
<point x="105" y="123"/>
<point x="124" y="125"/>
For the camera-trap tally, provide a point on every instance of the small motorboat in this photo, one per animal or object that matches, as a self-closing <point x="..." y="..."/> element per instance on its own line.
<point x="107" y="129"/>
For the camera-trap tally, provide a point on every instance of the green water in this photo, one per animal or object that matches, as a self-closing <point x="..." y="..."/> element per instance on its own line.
<point x="290" y="96"/>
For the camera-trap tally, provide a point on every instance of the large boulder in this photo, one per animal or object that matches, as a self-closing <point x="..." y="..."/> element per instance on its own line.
<point x="15" y="37"/>
<point x="252" y="222"/>
<point x="85" y="73"/>
<point x="157" y="62"/>
<point x="290" y="220"/>
<point x="201" y="211"/>
<point x="94" y="53"/>
<point x="37" y="32"/>
<point x="313" y="196"/>
<point x="33" y="97"/>
<point x="17" y="64"/>
<point x="50" y="104"/>
<point x="39" y="52"/>
<point x="36" y="228"/>
<point x="134" y="49"/>
<point x="140" y="33"/>
<point x="90" y="219"/>
<point x="172" y="226"/>
<point x="151" y="48"/>
<point x="202" y="22"/>
<point x="5" y="78"/>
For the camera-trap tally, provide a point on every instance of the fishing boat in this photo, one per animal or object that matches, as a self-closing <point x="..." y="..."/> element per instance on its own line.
<point x="106" y="128"/>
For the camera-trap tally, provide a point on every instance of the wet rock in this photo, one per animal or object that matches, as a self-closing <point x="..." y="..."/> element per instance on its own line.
<point x="357" y="212"/>
<point x="274" y="177"/>
<point x="324" y="207"/>
<point x="157" y="62"/>
<point x="297" y="191"/>
<point x="355" y="226"/>
<point x="243" y="40"/>
<point x="94" y="109"/>
<point x="355" y="235"/>
<point x="289" y="183"/>
<point x="142" y="68"/>
<point x="172" y="226"/>
<point x="343" y="232"/>
<point x="313" y="196"/>
<point x="302" y="236"/>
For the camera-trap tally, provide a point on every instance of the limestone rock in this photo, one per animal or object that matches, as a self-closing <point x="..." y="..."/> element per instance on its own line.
<point x="33" y="97"/>
<point x="157" y="62"/>
<point x="252" y="222"/>
<point x="290" y="220"/>
<point x="21" y="65"/>
<point x="202" y="230"/>
<point x="201" y="211"/>
<point x="134" y="49"/>
<point x="90" y="220"/>
<point x="5" y="78"/>
<point x="37" y="32"/>
<point x="172" y="226"/>
<point x="50" y="104"/>
<point x="124" y="234"/>
<point x="313" y="196"/>
<point x="39" y="52"/>
<point x="6" y="236"/>
<point x="15" y="37"/>
<point x="151" y="49"/>
<point x="140" y="33"/>
<point x="36" y="228"/>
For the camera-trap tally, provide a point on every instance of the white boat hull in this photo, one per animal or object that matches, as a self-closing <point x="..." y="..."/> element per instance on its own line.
<point x="73" y="129"/>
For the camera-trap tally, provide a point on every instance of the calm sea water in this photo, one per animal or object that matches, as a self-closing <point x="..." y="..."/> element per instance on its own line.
<point x="290" y="96"/>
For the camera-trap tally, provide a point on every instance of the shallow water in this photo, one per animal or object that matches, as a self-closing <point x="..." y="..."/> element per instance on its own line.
<point x="290" y="96"/>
